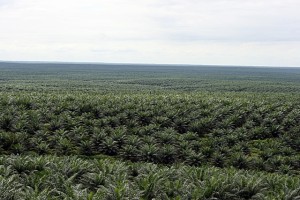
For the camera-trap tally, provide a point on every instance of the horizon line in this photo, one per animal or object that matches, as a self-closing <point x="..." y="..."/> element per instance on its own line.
<point x="157" y="64"/>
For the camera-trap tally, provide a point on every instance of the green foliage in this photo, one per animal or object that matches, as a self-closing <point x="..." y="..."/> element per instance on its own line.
<point x="148" y="132"/>
<point x="218" y="131"/>
<point x="76" y="178"/>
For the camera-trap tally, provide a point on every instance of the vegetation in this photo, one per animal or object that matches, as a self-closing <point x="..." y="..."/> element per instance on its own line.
<point x="72" y="177"/>
<point x="70" y="131"/>
<point x="45" y="77"/>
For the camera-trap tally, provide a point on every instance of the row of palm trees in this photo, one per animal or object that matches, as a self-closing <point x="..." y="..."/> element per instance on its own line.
<point x="270" y="155"/>
<point x="50" y="177"/>
<point x="243" y="132"/>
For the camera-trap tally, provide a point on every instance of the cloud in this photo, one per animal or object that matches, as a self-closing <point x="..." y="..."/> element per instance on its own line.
<point x="5" y="3"/>
<point x="232" y="20"/>
<point x="152" y="31"/>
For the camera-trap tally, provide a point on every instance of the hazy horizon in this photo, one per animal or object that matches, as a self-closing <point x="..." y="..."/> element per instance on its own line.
<point x="137" y="64"/>
<point x="194" y="32"/>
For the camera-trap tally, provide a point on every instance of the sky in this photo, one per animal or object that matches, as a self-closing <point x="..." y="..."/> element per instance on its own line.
<point x="205" y="32"/>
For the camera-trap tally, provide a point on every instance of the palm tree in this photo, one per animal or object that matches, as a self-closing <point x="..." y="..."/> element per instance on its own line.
<point x="118" y="135"/>
<point x="168" y="136"/>
<point x="167" y="154"/>
<point x="86" y="147"/>
<point x="93" y="181"/>
<point x="65" y="146"/>
<point x="6" y="121"/>
<point x="7" y="139"/>
<point x="239" y="161"/>
<point x="149" y="152"/>
<point x="149" y="185"/>
<point x="130" y="152"/>
<point x="194" y="159"/>
<point x="109" y="146"/>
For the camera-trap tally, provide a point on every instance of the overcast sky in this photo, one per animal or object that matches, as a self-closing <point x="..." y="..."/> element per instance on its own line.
<point x="222" y="32"/>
